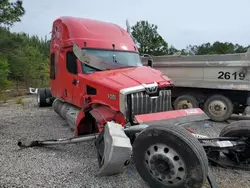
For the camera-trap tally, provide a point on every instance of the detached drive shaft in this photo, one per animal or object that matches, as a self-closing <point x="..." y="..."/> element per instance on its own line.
<point x="25" y="143"/>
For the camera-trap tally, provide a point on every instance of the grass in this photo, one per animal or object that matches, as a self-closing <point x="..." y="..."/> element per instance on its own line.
<point x="4" y="97"/>
<point x="14" y="95"/>
<point x="20" y="101"/>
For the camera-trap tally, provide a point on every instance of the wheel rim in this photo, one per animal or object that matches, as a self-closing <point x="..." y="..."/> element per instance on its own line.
<point x="184" y="104"/>
<point x="217" y="108"/>
<point x="165" y="164"/>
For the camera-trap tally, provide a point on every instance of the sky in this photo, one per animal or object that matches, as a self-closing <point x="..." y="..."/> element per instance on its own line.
<point x="180" y="22"/>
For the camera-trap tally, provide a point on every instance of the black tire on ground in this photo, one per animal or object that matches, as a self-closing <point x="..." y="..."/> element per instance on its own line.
<point x="41" y="97"/>
<point x="48" y="92"/>
<point x="49" y="96"/>
<point x="218" y="107"/>
<point x="238" y="129"/>
<point x="188" y="101"/>
<point x="170" y="157"/>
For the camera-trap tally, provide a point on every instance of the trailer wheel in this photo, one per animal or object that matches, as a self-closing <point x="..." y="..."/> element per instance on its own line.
<point x="218" y="107"/>
<point x="41" y="97"/>
<point x="169" y="156"/>
<point x="238" y="129"/>
<point x="185" y="101"/>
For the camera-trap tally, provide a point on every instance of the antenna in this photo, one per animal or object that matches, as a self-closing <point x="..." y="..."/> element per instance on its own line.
<point x="128" y="26"/>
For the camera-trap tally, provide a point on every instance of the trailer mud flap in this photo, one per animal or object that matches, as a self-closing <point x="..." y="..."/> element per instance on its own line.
<point x="114" y="149"/>
<point x="173" y="117"/>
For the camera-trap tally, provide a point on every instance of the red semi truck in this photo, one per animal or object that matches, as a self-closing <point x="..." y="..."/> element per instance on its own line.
<point x="99" y="85"/>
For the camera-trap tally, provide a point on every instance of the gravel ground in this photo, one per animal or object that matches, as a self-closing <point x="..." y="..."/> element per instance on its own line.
<point x="69" y="165"/>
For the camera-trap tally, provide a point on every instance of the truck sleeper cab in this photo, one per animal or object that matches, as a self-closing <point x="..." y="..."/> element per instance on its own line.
<point x="106" y="79"/>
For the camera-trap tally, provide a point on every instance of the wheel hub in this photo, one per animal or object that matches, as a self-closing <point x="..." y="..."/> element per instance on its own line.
<point x="184" y="104"/>
<point x="165" y="164"/>
<point x="161" y="164"/>
<point x="217" y="108"/>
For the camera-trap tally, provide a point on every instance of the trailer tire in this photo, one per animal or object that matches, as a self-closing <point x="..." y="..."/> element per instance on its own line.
<point x="41" y="97"/>
<point x="219" y="104"/>
<point x="187" y="101"/>
<point x="238" y="129"/>
<point x="162" y="166"/>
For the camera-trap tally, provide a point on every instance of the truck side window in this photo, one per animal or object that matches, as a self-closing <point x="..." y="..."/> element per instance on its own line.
<point x="71" y="62"/>
<point x="52" y="67"/>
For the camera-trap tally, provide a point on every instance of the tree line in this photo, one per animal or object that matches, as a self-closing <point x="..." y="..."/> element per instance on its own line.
<point x="149" y="41"/>
<point x="24" y="59"/>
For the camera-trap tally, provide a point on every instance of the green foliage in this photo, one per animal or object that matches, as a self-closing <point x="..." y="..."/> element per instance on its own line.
<point x="20" y="101"/>
<point x="10" y="12"/>
<point x="149" y="40"/>
<point x="217" y="48"/>
<point x="27" y="58"/>
<point x="23" y="58"/>
<point x="4" y="71"/>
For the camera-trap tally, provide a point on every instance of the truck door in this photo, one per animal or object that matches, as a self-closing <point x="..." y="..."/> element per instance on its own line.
<point x="71" y="77"/>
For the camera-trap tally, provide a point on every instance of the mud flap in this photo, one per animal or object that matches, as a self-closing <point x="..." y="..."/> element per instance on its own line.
<point x="114" y="149"/>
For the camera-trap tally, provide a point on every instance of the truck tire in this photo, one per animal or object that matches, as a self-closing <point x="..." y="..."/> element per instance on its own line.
<point x="170" y="157"/>
<point x="48" y="92"/>
<point x="218" y="107"/>
<point x="185" y="101"/>
<point x="238" y="129"/>
<point x="41" y="97"/>
<point x="49" y="96"/>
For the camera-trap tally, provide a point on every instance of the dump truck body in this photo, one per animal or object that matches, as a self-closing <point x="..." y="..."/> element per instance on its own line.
<point x="226" y="71"/>
<point x="203" y="76"/>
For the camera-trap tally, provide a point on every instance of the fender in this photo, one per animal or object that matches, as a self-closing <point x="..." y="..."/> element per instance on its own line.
<point x="101" y="114"/>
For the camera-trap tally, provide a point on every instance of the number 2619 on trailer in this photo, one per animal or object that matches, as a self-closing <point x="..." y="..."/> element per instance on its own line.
<point x="225" y="75"/>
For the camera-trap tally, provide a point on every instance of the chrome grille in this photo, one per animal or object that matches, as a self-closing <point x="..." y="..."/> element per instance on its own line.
<point x="142" y="103"/>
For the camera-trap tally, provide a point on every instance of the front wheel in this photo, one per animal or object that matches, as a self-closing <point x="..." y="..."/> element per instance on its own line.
<point x="170" y="157"/>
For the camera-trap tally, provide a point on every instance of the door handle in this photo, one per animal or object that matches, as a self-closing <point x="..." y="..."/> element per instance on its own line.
<point x="74" y="82"/>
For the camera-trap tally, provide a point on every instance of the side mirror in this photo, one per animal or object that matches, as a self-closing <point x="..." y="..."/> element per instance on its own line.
<point x="150" y="63"/>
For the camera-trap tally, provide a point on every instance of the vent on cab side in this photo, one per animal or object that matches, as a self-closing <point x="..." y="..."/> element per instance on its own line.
<point x="91" y="90"/>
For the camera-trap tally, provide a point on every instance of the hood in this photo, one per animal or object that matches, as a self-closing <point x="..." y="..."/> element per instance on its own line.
<point x="129" y="77"/>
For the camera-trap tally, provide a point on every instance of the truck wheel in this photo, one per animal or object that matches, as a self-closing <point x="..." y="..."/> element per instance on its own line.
<point x="238" y="129"/>
<point x="41" y="97"/>
<point x="48" y="92"/>
<point x="218" y="108"/>
<point x="185" y="101"/>
<point x="169" y="156"/>
<point x="49" y="96"/>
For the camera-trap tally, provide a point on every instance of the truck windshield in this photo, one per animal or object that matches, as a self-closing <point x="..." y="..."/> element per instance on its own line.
<point x="114" y="59"/>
